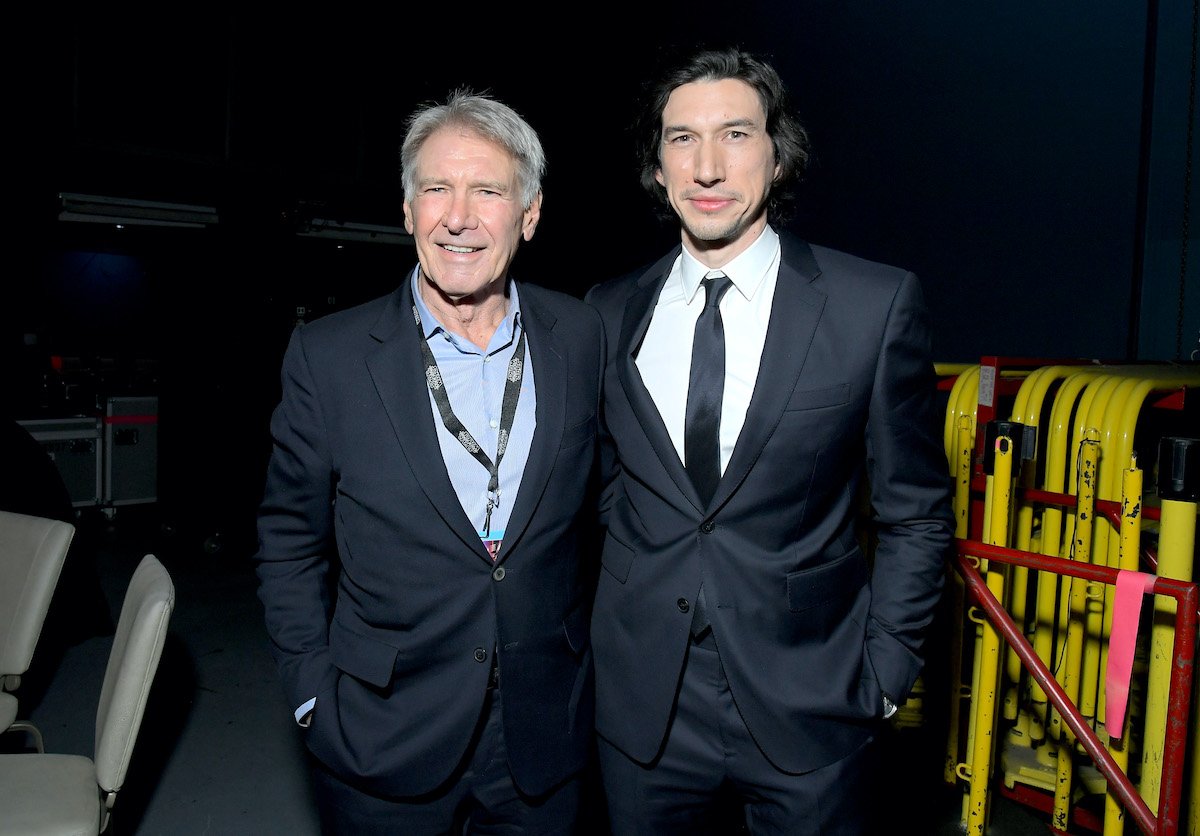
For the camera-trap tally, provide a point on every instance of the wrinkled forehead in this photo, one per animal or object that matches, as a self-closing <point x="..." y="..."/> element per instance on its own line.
<point x="462" y="152"/>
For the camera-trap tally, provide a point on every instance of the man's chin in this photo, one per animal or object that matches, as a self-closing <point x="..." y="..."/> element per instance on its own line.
<point x="711" y="232"/>
<point x="460" y="287"/>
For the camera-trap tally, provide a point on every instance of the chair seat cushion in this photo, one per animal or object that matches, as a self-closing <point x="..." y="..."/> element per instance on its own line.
<point x="48" y="795"/>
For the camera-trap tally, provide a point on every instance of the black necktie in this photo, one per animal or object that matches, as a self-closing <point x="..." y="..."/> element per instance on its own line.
<point x="706" y="386"/>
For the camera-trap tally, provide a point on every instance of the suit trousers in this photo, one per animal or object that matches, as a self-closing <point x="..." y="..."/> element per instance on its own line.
<point x="712" y="778"/>
<point x="479" y="798"/>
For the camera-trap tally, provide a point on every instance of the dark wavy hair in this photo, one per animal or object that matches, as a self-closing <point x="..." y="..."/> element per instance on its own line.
<point x="788" y="136"/>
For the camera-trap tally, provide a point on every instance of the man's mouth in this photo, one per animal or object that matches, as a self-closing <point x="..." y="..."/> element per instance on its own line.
<point x="454" y="248"/>
<point x="708" y="202"/>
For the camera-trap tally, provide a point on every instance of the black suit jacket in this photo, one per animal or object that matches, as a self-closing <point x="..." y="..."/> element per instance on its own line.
<point x="397" y="645"/>
<point x="810" y="634"/>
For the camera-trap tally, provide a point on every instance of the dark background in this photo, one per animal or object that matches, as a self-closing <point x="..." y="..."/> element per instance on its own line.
<point x="1032" y="163"/>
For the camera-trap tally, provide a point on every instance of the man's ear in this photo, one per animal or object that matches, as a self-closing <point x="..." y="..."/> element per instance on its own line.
<point x="531" y="217"/>
<point x="408" y="223"/>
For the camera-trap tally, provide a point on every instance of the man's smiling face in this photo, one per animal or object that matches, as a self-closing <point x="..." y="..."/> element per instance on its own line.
<point x="466" y="215"/>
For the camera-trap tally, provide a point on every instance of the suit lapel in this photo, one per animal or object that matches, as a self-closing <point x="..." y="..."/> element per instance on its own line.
<point x="795" y="311"/>
<point x="398" y="372"/>
<point x="548" y="356"/>
<point x="639" y="310"/>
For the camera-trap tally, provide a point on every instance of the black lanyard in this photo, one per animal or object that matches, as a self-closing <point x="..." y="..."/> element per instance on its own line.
<point x="508" y="413"/>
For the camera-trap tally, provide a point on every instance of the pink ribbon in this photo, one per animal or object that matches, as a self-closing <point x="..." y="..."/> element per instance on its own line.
<point x="1127" y="611"/>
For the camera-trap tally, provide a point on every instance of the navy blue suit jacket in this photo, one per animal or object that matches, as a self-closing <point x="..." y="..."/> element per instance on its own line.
<point x="396" y="644"/>
<point x="810" y="633"/>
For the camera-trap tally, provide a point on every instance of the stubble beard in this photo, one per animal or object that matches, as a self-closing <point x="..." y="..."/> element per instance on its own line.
<point x="713" y="230"/>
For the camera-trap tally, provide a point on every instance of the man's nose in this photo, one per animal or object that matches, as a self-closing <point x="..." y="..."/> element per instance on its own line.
<point x="710" y="164"/>
<point x="460" y="214"/>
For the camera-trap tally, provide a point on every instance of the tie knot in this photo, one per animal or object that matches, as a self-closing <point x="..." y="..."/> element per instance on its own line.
<point x="715" y="284"/>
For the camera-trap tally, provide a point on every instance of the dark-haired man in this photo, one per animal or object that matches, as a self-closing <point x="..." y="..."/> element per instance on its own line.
<point x="756" y="384"/>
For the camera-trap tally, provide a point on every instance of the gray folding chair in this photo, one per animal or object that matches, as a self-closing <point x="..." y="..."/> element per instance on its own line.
<point x="32" y="551"/>
<point x="60" y="793"/>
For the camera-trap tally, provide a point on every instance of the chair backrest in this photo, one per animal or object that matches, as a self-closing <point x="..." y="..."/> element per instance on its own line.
<point x="132" y="663"/>
<point x="32" y="551"/>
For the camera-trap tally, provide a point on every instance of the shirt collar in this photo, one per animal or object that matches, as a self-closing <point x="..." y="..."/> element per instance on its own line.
<point x="747" y="270"/>
<point x="431" y="325"/>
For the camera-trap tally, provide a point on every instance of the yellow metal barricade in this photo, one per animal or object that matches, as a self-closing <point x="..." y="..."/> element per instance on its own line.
<point x="959" y="442"/>
<point x="1178" y="478"/>
<point x="984" y="693"/>
<point x="1073" y="490"/>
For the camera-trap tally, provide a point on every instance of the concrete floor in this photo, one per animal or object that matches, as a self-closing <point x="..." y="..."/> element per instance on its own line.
<point x="218" y="752"/>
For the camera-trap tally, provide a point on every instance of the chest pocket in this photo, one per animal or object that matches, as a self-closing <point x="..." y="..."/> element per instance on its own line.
<point x="824" y="398"/>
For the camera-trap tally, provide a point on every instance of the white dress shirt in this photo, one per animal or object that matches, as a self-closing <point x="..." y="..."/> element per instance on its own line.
<point x="745" y="315"/>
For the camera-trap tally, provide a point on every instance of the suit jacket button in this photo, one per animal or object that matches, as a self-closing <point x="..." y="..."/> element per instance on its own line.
<point x="498" y="573"/>
<point x="708" y="527"/>
<point x="480" y="654"/>
<point x="683" y="605"/>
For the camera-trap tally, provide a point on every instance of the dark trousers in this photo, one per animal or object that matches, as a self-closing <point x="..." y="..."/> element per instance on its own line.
<point x="711" y="777"/>
<point x="480" y="798"/>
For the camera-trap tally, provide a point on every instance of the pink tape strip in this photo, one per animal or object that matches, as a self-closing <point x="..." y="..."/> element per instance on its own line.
<point x="1127" y="610"/>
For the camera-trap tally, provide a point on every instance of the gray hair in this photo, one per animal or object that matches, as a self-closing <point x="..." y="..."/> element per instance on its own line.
<point x="484" y="116"/>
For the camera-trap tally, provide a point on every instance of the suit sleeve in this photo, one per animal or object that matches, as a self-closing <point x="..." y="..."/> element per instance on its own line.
<point x="294" y="560"/>
<point x="910" y="487"/>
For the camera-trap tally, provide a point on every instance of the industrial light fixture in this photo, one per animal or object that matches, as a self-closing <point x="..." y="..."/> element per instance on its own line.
<point x="346" y="231"/>
<point x="127" y="211"/>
